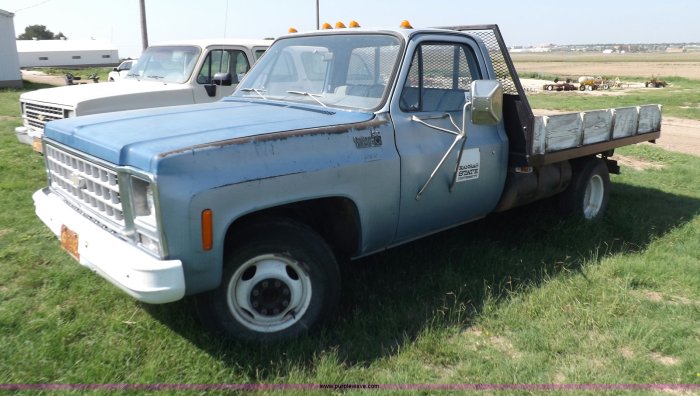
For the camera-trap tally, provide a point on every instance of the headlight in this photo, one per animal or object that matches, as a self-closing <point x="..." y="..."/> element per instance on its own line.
<point x="143" y="204"/>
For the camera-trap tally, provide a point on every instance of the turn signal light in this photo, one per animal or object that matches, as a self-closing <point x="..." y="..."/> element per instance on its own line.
<point x="207" y="230"/>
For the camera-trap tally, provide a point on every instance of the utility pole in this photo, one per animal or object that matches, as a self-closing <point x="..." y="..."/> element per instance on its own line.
<point x="317" y="17"/>
<point x="144" y="29"/>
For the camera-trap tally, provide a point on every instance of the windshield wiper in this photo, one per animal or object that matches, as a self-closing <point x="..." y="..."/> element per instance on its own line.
<point x="312" y="96"/>
<point x="155" y="77"/>
<point x="257" y="91"/>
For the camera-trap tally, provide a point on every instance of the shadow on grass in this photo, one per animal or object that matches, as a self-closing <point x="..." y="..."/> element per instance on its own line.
<point x="444" y="280"/>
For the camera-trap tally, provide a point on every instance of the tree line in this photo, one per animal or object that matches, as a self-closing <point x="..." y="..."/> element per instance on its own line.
<point x="40" y="32"/>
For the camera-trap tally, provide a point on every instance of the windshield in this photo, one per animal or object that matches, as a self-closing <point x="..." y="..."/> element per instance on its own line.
<point x="344" y="70"/>
<point x="171" y="64"/>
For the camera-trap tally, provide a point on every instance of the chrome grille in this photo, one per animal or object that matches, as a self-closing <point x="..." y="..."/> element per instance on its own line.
<point x="94" y="188"/>
<point x="37" y="115"/>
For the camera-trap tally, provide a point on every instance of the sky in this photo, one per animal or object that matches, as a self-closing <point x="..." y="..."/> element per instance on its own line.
<point x="522" y="22"/>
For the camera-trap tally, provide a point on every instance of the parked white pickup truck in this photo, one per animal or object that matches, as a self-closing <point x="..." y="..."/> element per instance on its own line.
<point x="167" y="74"/>
<point x="119" y="72"/>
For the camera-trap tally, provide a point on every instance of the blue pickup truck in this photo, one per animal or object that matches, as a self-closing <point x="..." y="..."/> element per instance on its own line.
<point x="337" y="144"/>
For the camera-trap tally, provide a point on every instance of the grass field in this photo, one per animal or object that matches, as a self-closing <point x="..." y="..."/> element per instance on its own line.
<point x="522" y="297"/>
<point x="644" y="65"/>
<point x="680" y="99"/>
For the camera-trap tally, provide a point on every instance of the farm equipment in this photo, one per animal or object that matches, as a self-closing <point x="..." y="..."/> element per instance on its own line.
<point x="71" y="79"/>
<point x="559" y="86"/>
<point x="593" y="83"/>
<point x="655" y="83"/>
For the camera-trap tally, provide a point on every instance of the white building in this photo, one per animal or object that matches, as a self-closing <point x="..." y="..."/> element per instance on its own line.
<point x="9" y="63"/>
<point x="66" y="53"/>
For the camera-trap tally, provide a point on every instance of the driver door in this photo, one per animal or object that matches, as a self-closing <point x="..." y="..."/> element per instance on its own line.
<point x="221" y="60"/>
<point x="429" y="103"/>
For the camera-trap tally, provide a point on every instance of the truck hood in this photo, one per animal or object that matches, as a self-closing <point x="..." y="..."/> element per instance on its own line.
<point x="136" y="138"/>
<point x="89" y="98"/>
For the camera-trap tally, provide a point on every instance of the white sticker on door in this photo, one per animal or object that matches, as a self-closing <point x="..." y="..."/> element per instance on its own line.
<point x="469" y="165"/>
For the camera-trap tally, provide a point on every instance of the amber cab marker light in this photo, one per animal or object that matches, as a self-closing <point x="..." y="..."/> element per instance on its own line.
<point x="339" y="25"/>
<point x="406" y="25"/>
<point x="207" y="230"/>
<point x="354" y="24"/>
<point x="326" y="25"/>
<point x="292" y="30"/>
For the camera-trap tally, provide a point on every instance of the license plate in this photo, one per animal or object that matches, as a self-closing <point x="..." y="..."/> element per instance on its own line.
<point x="69" y="242"/>
<point x="36" y="145"/>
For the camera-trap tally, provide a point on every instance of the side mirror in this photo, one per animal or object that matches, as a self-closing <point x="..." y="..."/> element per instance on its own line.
<point x="224" y="79"/>
<point x="487" y="102"/>
<point x="211" y="90"/>
<point x="116" y="69"/>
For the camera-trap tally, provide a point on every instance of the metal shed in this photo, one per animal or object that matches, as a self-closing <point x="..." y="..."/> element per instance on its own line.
<point x="9" y="63"/>
<point x="66" y="53"/>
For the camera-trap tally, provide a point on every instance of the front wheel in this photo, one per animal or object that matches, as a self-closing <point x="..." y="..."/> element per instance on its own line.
<point x="280" y="281"/>
<point x="588" y="193"/>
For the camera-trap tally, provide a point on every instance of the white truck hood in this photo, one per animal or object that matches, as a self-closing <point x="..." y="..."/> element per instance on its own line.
<point x="108" y="97"/>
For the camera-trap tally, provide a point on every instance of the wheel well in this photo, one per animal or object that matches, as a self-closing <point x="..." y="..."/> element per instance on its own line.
<point x="335" y="219"/>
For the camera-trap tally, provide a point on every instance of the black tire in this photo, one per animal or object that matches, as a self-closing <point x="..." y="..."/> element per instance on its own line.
<point x="280" y="281"/>
<point x="589" y="191"/>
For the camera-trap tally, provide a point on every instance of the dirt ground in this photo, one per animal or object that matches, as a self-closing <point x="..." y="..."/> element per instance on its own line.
<point x="643" y="69"/>
<point x="535" y="85"/>
<point x="677" y="134"/>
<point x="42" y="78"/>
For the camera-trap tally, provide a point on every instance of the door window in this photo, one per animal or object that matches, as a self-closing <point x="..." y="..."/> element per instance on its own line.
<point x="439" y="76"/>
<point x="223" y="61"/>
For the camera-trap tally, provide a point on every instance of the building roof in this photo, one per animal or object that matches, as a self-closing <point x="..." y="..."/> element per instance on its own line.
<point x="6" y="13"/>
<point x="64" y="45"/>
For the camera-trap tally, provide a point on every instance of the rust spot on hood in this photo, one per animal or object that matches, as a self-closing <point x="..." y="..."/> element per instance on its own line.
<point x="378" y="120"/>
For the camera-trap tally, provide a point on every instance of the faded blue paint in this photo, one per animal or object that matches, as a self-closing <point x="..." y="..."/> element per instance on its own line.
<point x="136" y="138"/>
<point x="258" y="151"/>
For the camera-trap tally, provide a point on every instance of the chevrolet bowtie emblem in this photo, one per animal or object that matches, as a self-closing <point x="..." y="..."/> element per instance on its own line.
<point x="77" y="181"/>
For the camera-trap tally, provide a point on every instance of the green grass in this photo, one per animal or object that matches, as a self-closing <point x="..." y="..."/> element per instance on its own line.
<point x="520" y="297"/>
<point x="680" y="99"/>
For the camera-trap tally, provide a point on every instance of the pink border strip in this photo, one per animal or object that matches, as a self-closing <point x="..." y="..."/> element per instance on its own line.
<point x="412" y="387"/>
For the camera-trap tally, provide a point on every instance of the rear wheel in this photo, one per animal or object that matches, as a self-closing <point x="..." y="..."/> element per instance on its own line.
<point x="588" y="193"/>
<point x="280" y="281"/>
